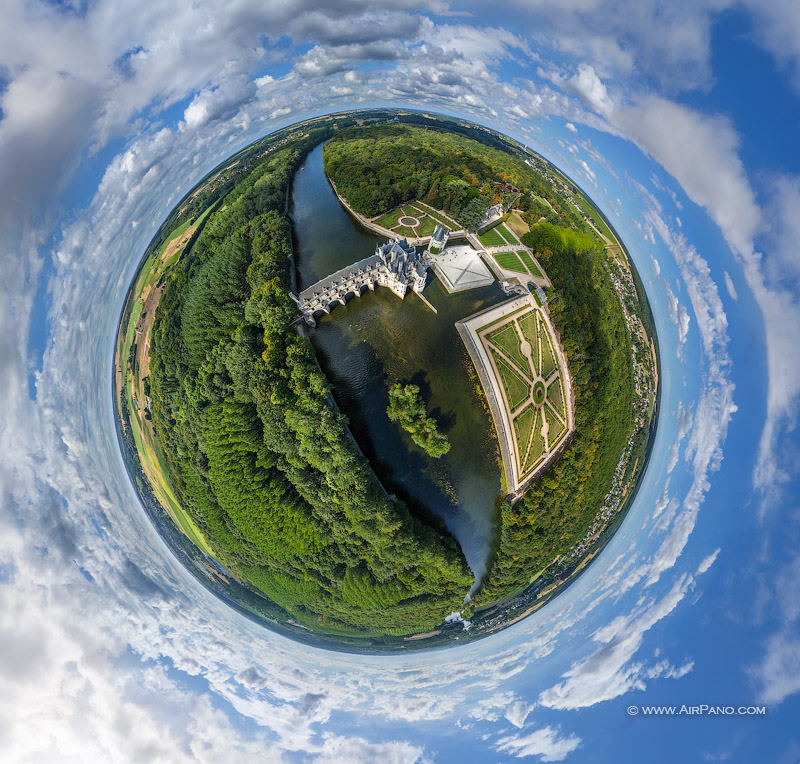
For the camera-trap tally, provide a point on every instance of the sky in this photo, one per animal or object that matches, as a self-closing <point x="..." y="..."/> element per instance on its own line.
<point x="678" y="117"/>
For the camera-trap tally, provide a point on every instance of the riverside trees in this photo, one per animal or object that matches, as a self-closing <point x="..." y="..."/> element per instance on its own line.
<point x="407" y="408"/>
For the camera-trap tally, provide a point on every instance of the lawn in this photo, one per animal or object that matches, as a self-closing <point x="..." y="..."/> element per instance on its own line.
<point x="506" y="234"/>
<point x="557" y="429"/>
<point x="548" y="359"/>
<point x="517" y="389"/>
<point x="527" y="324"/>
<point x="447" y="222"/>
<point x="517" y="224"/>
<point x="426" y="226"/>
<point x="510" y="262"/>
<point x="523" y="426"/>
<point x="390" y="218"/>
<point x="492" y="239"/>
<point x="507" y="339"/>
<point x="530" y="264"/>
<point x="403" y="231"/>
<point x="537" y="445"/>
<point x="554" y="397"/>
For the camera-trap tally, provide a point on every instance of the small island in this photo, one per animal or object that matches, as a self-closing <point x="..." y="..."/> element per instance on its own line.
<point x="408" y="409"/>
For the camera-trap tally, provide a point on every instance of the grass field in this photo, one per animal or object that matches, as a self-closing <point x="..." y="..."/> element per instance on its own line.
<point x="507" y="339"/>
<point x="530" y="263"/>
<point x="147" y="450"/>
<point x="557" y="429"/>
<point x="446" y="221"/>
<point x="554" y="397"/>
<point x="404" y="231"/>
<point x="523" y="427"/>
<point x="530" y="332"/>
<point x="588" y="209"/>
<point x="390" y="218"/>
<point x="510" y="262"/>
<point x="506" y="234"/>
<point x="537" y="445"/>
<point x="492" y="239"/>
<point x="516" y="375"/>
<point x="517" y="389"/>
<point x="427" y="226"/>
<point x="517" y="224"/>
<point x="548" y="360"/>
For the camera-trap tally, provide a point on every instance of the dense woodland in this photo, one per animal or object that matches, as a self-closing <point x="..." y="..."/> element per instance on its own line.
<point x="256" y="451"/>
<point x="379" y="167"/>
<point x="559" y="507"/>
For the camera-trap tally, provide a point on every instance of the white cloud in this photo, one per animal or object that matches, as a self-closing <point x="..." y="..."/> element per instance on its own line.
<point x="730" y="286"/>
<point x="546" y="743"/>
<point x="571" y="127"/>
<point x="586" y="84"/>
<point x="220" y="101"/>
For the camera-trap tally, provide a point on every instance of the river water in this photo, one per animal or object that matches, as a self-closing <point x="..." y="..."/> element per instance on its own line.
<point x="377" y="340"/>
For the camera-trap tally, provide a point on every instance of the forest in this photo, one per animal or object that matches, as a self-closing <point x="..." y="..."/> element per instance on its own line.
<point x="379" y="167"/>
<point x="256" y="452"/>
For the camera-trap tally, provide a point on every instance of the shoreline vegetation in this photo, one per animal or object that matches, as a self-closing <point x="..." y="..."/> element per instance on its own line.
<point x="407" y="408"/>
<point x="296" y="528"/>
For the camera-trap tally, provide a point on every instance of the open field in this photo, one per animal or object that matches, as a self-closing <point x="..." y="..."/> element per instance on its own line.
<point x="131" y="379"/>
<point x="517" y="224"/>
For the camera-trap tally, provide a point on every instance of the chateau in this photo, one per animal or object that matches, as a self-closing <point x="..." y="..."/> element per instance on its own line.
<point x="395" y="265"/>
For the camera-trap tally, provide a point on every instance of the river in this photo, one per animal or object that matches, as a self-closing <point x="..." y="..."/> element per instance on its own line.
<point x="377" y="340"/>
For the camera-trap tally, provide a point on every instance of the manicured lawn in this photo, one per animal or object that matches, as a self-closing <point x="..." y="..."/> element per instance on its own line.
<point x="557" y="429"/>
<point x="426" y="226"/>
<point x="403" y="231"/>
<point x="523" y="426"/>
<point x="506" y="234"/>
<point x="530" y="264"/>
<point x="390" y="218"/>
<point x="446" y="221"/>
<point x="537" y="444"/>
<point x="554" y="397"/>
<point x="548" y="359"/>
<point x="491" y="238"/>
<point x="510" y="262"/>
<point x="517" y="389"/>
<point x="507" y="339"/>
<point x="529" y="330"/>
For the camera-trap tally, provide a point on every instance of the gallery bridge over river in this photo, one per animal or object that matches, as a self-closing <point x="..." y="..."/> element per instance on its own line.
<point x="395" y="264"/>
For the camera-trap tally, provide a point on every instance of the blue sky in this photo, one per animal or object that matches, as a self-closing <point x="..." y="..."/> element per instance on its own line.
<point x="678" y="118"/>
